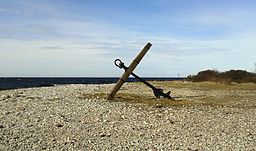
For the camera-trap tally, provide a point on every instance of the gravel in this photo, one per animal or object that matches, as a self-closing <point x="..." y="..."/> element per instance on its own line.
<point x="64" y="118"/>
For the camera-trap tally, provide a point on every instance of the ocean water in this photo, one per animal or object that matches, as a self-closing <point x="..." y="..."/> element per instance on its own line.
<point x="29" y="82"/>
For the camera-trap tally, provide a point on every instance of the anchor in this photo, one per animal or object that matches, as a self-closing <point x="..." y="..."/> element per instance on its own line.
<point x="129" y="71"/>
<point x="157" y="92"/>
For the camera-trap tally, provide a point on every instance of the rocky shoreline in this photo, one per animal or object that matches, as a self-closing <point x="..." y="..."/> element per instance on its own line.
<point x="65" y="118"/>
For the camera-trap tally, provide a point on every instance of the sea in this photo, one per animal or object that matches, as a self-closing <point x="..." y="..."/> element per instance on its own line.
<point x="7" y="83"/>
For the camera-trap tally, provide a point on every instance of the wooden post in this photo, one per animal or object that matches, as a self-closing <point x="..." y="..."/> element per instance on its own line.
<point x="130" y="69"/>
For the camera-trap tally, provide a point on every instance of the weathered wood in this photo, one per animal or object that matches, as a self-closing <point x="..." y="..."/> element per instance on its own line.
<point x="128" y="72"/>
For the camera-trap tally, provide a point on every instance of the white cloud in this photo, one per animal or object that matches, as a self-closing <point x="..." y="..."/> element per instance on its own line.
<point x="228" y="21"/>
<point x="8" y="10"/>
<point x="27" y="58"/>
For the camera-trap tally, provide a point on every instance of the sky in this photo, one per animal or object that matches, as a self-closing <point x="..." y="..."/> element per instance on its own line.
<point x="82" y="38"/>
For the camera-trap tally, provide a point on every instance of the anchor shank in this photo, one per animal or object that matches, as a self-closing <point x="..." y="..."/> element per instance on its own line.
<point x="144" y="81"/>
<point x="157" y="92"/>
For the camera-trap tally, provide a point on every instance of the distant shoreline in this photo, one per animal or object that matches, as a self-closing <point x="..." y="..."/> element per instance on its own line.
<point x="7" y="83"/>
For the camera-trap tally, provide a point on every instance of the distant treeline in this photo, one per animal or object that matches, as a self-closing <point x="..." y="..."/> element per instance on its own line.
<point x="239" y="76"/>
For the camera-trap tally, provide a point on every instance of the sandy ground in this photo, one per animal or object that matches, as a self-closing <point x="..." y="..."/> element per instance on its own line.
<point x="77" y="117"/>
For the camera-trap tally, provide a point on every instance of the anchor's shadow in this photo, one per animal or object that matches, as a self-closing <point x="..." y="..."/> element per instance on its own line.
<point x="156" y="102"/>
<point x="188" y="97"/>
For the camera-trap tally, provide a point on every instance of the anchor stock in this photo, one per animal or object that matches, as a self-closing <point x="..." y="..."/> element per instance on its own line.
<point x="127" y="73"/>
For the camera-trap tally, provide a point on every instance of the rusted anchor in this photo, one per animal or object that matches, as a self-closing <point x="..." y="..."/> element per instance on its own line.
<point x="129" y="71"/>
<point x="157" y="92"/>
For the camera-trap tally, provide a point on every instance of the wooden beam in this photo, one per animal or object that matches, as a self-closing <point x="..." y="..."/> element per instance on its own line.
<point x="128" y="72"/>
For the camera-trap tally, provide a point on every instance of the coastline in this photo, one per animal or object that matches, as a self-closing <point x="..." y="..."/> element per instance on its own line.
<point x="76" y="117"/>
<point x="8" y="83"/>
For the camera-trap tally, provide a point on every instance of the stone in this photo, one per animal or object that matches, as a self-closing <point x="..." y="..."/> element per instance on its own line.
<point x="59" y="125"/>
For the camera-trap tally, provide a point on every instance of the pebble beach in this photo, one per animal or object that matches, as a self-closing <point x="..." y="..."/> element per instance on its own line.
<point x="73" y="117"/>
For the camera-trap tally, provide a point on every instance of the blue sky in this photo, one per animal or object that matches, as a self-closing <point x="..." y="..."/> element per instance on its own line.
<point x="84" y="37"/>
